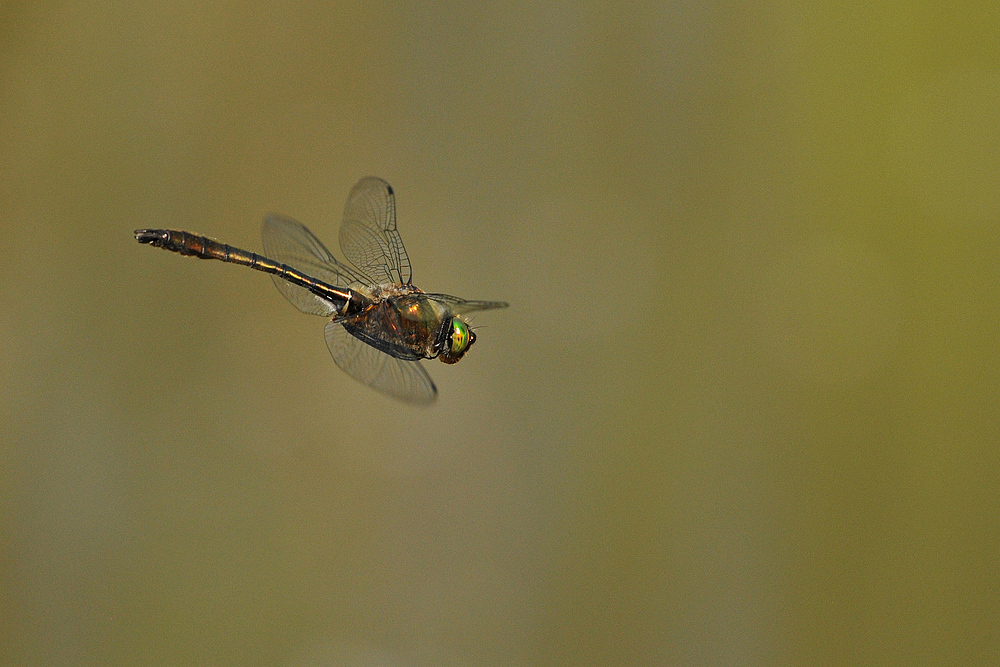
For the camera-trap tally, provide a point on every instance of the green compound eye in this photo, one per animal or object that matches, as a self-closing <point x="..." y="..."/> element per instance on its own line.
<point x="459" y="342"/>
<point x="459" y="336"/>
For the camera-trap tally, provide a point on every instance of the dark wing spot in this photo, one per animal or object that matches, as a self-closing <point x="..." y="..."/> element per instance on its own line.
<point x="389" y="188"/>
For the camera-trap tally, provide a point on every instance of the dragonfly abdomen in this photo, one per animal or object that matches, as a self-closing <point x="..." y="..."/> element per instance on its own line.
<point x="202" y="247"/>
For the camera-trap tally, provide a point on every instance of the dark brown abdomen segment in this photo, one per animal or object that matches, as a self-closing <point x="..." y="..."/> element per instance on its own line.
<point x="203" y="247"/>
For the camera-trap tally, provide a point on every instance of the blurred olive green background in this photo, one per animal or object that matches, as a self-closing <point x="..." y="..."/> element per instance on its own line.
<point x="743" y="409"/>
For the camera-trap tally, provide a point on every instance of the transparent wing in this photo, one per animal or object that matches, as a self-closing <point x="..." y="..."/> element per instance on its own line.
<point x="368" y="235"/>
<point x="401" y="379"/>
<point x="291" y="243"/>
<point x="458" y="306"/>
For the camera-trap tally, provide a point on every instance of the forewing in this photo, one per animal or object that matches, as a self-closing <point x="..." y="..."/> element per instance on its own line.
<point x="458" y="306"/>
<point x="290" y="242"/>
<point x="368" y="235"/>
<point x="403" y="380"/>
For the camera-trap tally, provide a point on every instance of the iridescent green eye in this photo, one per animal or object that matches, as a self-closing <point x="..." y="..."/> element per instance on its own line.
<point x="459" y="336"/>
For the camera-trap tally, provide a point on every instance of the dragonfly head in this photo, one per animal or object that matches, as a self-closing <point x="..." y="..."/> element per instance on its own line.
<point x="458" y="342"/>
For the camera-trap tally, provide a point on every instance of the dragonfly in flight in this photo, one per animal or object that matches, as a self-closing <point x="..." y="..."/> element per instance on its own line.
<point x="381" y="326"/>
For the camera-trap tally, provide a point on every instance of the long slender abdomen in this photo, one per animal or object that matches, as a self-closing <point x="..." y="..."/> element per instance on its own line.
<point x="203" y="247"/>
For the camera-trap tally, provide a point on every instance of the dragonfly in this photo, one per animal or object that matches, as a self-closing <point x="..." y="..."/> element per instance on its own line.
<point x="381" y="326"/>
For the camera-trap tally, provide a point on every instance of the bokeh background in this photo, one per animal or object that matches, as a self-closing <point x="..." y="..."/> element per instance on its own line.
<point x="743" y="409"/>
